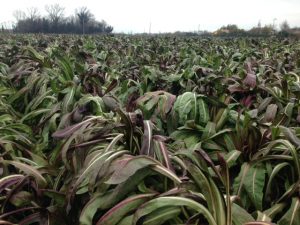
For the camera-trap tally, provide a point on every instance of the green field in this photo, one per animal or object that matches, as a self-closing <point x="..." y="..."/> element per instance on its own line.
<point x="153" y="130"/>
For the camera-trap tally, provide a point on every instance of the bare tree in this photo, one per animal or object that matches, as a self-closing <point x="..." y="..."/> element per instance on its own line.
<point x="19" y="15"/>
<point x="55" y="13"/>
<point x="82" y="21"/>
<point x="84" y="15"/>
<point x="259" y="24"/>
<point x="33" y="13"/>
<point x="284" y="26"/>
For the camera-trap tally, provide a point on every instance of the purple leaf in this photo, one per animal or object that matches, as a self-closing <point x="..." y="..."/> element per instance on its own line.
<point x="128" y="167"/>
<point x="247" y="101"/>
<point x="68" y="131"/>
<point x="34" y="218"/>
<point x="250" y="80"/>
<point x="116" y="213"/>
<point x="12" y="212"/>
<point x="270" y="113"/>
<point x="298" y="118"/>
<point x="9" y="181"/>
<point x="6" y="222"/>
<point x="111" y="86"/>
<point x="165" y="153"/>
<point x="236" y="88"/>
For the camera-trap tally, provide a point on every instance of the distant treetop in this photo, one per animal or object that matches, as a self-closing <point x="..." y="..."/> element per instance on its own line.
<point x="82" y="22"/>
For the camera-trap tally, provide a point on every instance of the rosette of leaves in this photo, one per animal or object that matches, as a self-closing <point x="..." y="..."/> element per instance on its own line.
<point x="191" y="106"/>
<point x="156" y="106"/>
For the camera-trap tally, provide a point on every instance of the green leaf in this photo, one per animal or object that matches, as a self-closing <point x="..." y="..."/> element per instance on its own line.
<point x="254" y="183"/>
<point x="34" y="114"/>
<point x="29" y="170"/>
<point x="262" y="217"/>
<point x="274" y="210"/>
<point x="96" y="164"/>
<point x="157" y="103"/>
<point x="162" y="215"/>
<point x="111" y="102"/>
<point x="190" y="137"/>
<point x="264" y="104"/>
<point x="209" y="130"/>
<point x="190" y="106"/>
<point x="288" y="110"/>
<point x="167" y="173"/>
<point x="290" y="135"/>
<point x="259" y="223"/>
<point x="117" y="213"/>
<point x="124" y="171"/>
<point x="162" y="202"/>
<point x="58" y="197"/>
<point x="240" y="216"/>
<point x="274" y="173"/>
<point x="292" y="216"/>
<point x="96" y="103"/>
<point x="21" y="198"/>
<point x="203" y="112"/>
<point x="205" y="185"/>
<point x="109" y="199"/>
<point x="68" y="101"/>
<point x="221" y="120"/>
<point x="65" y="66"/>
<point x="226" y="182"/>
<point x="128" y="220"/>
<point x="231" y="157"/>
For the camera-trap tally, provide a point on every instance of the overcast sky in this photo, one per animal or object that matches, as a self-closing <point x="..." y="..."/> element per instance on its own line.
<point x="171" y="15"/>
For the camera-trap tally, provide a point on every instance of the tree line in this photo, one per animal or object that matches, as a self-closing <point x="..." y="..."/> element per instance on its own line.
<point x="82" y="22"/>
<point x="268" y="30"/>
<point x="232" y="30"/>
